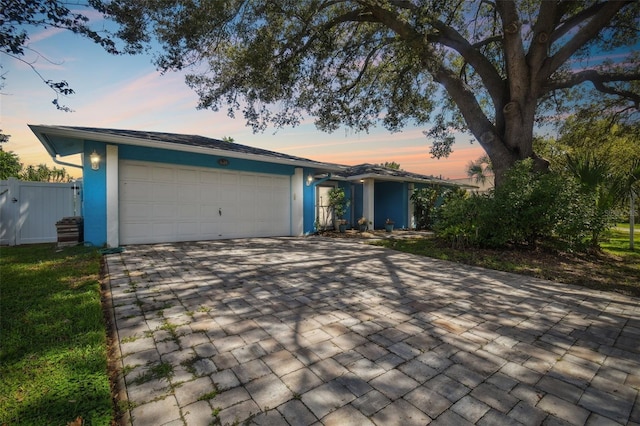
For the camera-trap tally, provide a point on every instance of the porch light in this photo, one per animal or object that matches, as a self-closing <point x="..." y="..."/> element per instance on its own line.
<point x="309" y="179"/>
<point x="95" y="160"/>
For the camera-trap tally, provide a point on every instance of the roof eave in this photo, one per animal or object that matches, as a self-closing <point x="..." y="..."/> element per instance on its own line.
<point x="41" y="131"/>
<point x="399" y="179"/>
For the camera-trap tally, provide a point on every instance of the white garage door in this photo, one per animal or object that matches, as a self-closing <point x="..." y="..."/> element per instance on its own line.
<point x="167" y="203"/>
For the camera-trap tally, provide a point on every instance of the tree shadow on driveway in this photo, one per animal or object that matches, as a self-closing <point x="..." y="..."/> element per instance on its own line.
<point x="304" y="330"/>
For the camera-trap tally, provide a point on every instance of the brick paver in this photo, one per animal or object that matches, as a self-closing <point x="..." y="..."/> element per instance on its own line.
<point x="310" y="331"/>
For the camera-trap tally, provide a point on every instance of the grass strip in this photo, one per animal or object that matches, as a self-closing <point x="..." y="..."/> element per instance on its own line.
<point x="614" y="268"/>
<point x="53" y="345"/>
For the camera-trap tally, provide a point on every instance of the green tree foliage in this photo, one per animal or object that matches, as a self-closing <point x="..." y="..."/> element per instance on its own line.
<point x="3" y="138"/>
<point x="391" y="165"/>
<point x="19" y="17"/>
<point x="614" y="143"/>
<point x="42" y="173"/>
<point x="493" y="69"/>
<point x="480" y="170"/>
<point x="603" y="155"/>
<point x="10" y="165"/>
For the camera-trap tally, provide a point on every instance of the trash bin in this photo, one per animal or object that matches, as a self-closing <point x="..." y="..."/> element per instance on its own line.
<point x="70" y="231"/>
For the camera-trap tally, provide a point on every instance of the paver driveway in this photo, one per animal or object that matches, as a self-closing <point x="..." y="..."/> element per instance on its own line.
<point x="334" y="332"/>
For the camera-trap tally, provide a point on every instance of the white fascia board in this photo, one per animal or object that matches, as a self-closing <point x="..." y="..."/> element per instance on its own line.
<point x="378" y="177"/>
<point x="41" y="130"/>
<point x="38" y="131"/>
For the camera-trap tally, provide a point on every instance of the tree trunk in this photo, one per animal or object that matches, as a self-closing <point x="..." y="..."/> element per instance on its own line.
<point x="516" y="141"/>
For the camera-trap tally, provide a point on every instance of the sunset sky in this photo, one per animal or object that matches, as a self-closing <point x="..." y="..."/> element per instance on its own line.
<point x="126" y="92"/>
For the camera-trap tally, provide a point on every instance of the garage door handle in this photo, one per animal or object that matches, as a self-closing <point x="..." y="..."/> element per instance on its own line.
<point x="220" y="212"/>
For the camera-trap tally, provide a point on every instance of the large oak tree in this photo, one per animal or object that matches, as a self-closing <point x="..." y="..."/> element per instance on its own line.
<point x="492" y="68"/>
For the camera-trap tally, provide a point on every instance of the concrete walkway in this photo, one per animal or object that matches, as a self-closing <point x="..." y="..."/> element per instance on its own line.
<point x="287" y="331"/>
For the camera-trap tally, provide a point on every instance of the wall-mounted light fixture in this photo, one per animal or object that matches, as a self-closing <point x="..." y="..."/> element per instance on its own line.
<point x="95" y="160"/>
<point x="309" y="179"/>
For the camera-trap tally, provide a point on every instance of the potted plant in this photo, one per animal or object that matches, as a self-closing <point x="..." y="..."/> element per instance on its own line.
<point x="338" y="204"/>
<point x="388" y="225"/>
<point x="362" y="224"/>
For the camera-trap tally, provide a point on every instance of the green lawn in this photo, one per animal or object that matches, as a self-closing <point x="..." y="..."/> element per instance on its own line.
<point x="615" y="268"/>
<point x="53" y="345"/>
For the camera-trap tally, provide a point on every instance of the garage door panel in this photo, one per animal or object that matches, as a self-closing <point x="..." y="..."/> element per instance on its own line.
<point x="163" y="230"/>
<point x="209" y="178"/>
<point x="135" y="172"/>
<point x="209" y="212"/>
<point x="227" y="178"/>
<point x="187" y="176"/>
<point x="134" y="191"/>
<point x="163" y="174"/>
<point x="164" y="211"/>
<point x="188" y="194"/>
<point x="164" y="192"/>
<point x="189" y="211"/>
<point x="248" y="180"/>
<point x="136" y="231"/>
<point x="191" y="228"/>
<point x="166" y="203"/>
<point x="135" y="211"/>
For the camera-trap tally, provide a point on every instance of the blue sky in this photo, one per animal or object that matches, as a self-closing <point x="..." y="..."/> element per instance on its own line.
<point x="127" y="92"/>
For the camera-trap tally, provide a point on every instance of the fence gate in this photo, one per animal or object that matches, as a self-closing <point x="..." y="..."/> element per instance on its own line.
<point x="29" y="210"/>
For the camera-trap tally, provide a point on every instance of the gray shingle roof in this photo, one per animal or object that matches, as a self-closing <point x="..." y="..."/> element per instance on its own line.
<point x="190" y="140"/>
<point x="381" y="172"/>
<point x="67" y="140"/>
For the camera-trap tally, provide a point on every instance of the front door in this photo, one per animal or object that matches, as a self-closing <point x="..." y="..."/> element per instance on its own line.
<point x="324" y="218"/>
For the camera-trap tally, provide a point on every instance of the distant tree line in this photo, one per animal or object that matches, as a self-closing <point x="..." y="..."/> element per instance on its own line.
<point x="10" y="166"/>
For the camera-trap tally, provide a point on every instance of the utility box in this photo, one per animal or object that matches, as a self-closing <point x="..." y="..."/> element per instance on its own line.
<point x="70" y="231"/>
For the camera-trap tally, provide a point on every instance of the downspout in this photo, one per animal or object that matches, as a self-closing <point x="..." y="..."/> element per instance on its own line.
<point x="63" y="163"/>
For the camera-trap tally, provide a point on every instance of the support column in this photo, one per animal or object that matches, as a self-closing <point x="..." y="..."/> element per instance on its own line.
<point x="368" y="201"/>
<point x="113" y="207"/>
<point x="297" y="202"/>
<point x="411" y="219"/>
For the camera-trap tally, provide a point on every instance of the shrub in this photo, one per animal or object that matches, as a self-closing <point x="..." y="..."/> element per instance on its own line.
<point x="527" y="209"/>
<point x="458" y="219"/>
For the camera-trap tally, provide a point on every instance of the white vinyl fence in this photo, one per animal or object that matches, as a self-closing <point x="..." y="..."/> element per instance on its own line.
<point x="29" y="210"/>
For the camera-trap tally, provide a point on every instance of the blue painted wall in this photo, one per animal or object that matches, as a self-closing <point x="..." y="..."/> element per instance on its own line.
<point x="95" y="196"/>
<point x="391" y="202"/>
<point x="128" y="152"/>
<point x="356" y="205"/>
<point x="308" y="209"/>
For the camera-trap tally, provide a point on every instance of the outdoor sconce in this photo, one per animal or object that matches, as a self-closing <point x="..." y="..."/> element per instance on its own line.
<point x="309" y="179"/>
<point x="95" y="160"/>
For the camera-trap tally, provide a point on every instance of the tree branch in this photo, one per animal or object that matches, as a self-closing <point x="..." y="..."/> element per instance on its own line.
<point x="599" y="19"/>
<point x="516" y="66"/>
<point x="575" y="20"/>
<point x="598" y="80"/>
<point x="493" y="82"/>
<point x="59" y="88"/>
